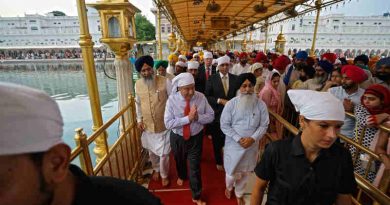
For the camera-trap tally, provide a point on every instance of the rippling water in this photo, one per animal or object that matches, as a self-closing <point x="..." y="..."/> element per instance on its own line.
<point x="65" y="82"/>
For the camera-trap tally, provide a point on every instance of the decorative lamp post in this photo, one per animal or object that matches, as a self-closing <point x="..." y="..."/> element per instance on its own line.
<point x="180" y="44"/>
<point x="280" y="42"/>
<point x="172" y="42"/>
<point x="243" y="44"/>
<point x="118" y="33"/>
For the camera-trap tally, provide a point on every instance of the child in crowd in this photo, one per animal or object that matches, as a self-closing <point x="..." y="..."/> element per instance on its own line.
<point x="373" y="110"/>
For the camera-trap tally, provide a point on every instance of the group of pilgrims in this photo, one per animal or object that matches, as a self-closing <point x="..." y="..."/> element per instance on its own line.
<point x="227" y="96"/>
<point x="222" y="97"/>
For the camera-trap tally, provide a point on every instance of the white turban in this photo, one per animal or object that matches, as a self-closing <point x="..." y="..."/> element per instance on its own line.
<point x="182" y="79"/>
<point x="183" y="57"/>
<point x="195" y="54"/>
<point x="223" y="60"/>
<point x="30" y="121"/>
<point x="214" y="61"/>
<point x="193" y="65"/>
<point x="207" y="54"/>
<point x="181" y="64"/>
<point x="314" y="105"/>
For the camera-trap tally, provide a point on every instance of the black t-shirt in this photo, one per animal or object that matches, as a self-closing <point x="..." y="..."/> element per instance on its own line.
<point x="108" y="190"/>
<point x="294" y="180"/>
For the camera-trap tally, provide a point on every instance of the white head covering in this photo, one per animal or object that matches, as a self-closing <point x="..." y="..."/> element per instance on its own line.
<point x="182" y="79"/>
<point x="223" y="60"/>
<point x="181" y="64"/>
<point x="255" y="66"/>
<point x="214" y="61"/>
<point x="30" y="121"/>
<point x="193" y="65"/>
<point x="207" y="54"/>
<point x="314" y="105"/>
<point x="183" y="57"/>
<point x="195" y="54"/>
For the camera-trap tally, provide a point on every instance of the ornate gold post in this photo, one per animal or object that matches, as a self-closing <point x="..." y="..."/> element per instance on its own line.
<point x="234" y="46"/>
<point x="172" y="42"/>
<point x="266" y="36"/>
<point x="86" y="45"/>
<point x="243" y="45"/>
<point x="318" y="6"/>
<point x="159" y="33"/>
<point x="118" y="32"/>
<point x="280" y="42"/>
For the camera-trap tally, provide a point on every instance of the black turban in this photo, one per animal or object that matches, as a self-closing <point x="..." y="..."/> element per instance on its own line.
<point x="142" y="60"/>
<point x="246" y="76"/>
<point x="363" y="58"/>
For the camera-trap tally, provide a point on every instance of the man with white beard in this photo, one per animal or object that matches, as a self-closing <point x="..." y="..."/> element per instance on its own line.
<point x="323" y="70"/>
<point x="244" y="121"/>
<point x="151" y="92"/>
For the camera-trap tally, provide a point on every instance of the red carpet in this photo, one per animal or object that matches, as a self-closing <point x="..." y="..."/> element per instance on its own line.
<point x="213" y="182"/>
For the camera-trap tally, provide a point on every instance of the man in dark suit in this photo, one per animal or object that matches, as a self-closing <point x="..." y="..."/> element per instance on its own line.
<point x="220" y="88"/>
<point x="207" y="68"/>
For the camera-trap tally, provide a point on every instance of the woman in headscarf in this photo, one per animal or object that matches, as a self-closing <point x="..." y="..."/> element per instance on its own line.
<point x="373" y="111"/>
<point x="272" y="98"/>
<point x="257" y="70"/>
<point x="308" y="168"/>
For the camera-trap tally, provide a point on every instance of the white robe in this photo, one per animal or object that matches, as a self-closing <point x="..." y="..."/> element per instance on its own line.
<point x="235" y="125"/>
<point x="158" y="143"/>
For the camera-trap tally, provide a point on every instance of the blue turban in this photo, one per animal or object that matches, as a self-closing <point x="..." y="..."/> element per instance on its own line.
<point x="383" y="61"/>
<point x="142" y="60"/>
<point x="326" y="66"/>
<point x="301" y="55"/>
<point x="246" y="76"/>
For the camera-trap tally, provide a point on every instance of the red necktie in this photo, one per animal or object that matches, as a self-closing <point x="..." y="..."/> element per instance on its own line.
<point x="207" y="73"/>
<point x="186" y="128"/>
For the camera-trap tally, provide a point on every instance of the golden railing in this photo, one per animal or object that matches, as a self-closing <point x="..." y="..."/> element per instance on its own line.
<point x="124" y="159"/>
<point x="377" y="195"/>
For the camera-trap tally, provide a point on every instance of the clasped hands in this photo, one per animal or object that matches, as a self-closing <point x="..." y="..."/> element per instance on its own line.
<point x="193" y="114"/>
<point x="246" y="142"/>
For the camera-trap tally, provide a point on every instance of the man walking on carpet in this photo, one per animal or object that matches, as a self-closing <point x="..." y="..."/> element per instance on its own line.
<point x="151" y="92"/>
<point x="220" y="88"/>
<point x="244" y="121"/>
<point x="186" y="113"/>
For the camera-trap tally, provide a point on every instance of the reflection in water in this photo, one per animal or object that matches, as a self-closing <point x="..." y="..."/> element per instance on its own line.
<point x="65" y="82"/>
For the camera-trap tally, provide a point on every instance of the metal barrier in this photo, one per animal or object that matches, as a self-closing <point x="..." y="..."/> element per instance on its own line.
<point x="377" y="195"/>
<point x="124" y="159"/>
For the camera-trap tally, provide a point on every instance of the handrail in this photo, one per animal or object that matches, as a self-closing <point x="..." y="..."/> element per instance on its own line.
<point x="379" y="126"/>
<point x="372" y="190"/>
<point x="125" y="158"/>
<point x="101" y="129"/>
<point x="363" y="184"/>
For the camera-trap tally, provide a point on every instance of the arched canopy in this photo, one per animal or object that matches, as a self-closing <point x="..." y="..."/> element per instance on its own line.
<point x="194" y="20"/>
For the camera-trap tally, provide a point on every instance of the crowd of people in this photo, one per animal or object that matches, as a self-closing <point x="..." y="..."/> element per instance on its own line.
<point x="241" y="88"/>
<point x="51" y="54"/>
<point x="227" y="97"/>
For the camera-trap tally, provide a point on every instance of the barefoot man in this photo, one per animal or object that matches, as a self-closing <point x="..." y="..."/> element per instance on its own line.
<point x="186" y="113"/>
<point x="151" y="93"/>
<point x="244" y="121"/>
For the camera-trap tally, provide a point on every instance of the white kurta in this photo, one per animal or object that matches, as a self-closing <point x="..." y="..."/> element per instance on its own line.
<point x="158" y="143"/>
<point x="239" y="69"/>
<point x="235" y="124"/>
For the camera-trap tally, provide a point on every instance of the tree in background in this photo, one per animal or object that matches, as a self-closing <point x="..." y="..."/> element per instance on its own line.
<point x="145" y="30"/>
<point x="58" y="13"/>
